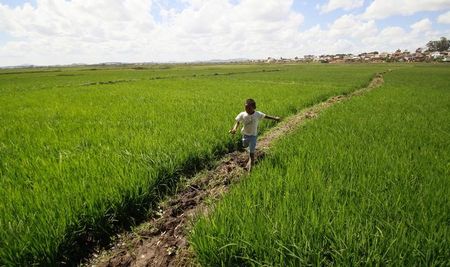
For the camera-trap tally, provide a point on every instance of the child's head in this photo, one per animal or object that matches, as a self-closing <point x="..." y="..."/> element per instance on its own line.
<point x="250" y="105"/>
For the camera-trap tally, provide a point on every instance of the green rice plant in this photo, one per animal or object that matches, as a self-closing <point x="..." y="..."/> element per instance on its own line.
<point x="85" y="151"/>
<point x="367" y="183"/>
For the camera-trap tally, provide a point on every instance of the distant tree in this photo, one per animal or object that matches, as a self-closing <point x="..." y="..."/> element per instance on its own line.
<point x="440" y="45"/>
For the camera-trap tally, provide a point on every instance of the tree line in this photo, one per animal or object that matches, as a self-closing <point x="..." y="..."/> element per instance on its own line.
<point x="440" y="45"/>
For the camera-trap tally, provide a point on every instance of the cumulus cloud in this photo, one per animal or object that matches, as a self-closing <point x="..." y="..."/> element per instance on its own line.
<point x="422" y="26"/>
<point x="352" y="26"/>
<point x="84" y="31"/>
<point x="380" y="9"/>
<point x="74" y="31"/>
<point x="354" y="34"/>
<point x="444" y="18"/>
<point x="390" y="37"/>
<point x="340" y="4"/>
<point x="81" y="18"/>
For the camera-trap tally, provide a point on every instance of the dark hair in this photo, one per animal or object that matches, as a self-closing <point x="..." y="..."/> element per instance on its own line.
<point x="250" y="102"/>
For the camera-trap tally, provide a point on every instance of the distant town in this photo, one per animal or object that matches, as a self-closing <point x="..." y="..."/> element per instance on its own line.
<point x="420" y="55"/>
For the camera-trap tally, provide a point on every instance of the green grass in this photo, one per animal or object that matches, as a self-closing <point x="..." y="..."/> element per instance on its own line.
<point x="83" y="151"/>
<point x="367" y="183"/>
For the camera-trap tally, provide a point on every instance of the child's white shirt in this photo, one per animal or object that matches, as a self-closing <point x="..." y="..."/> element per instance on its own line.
<point x="249" y="122"/>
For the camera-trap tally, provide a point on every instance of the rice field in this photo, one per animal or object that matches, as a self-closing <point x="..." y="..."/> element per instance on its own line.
<point x="367" y="183"/>
<point x="85" y="151"/>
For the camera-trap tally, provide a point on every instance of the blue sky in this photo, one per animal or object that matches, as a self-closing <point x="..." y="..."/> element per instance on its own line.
<point x="67" y="31"/>
<point x="14" y="3"/>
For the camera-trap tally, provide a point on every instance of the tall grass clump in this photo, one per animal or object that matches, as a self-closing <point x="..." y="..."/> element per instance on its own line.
<point x="84" y="151"/>
<point x="367" y="183"/>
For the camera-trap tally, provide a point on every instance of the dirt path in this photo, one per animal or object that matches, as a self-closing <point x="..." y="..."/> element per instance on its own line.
<point x="162" y="241"/>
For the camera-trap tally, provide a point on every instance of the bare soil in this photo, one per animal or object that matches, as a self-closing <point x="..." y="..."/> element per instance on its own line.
<point x="162" y="240"/>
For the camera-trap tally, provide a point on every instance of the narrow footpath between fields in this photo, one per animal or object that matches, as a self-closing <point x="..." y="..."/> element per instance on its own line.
<point x="162" y="241"/>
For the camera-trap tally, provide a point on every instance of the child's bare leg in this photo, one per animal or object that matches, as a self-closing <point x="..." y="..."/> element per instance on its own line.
<point x="251" y="161"/>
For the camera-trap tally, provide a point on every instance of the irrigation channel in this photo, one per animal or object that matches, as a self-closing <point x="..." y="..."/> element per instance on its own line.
<point x="162" y="240"/>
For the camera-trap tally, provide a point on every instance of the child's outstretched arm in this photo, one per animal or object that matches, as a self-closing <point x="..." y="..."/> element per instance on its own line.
<point x="233" y="130"/>
<point x="275" y="118"/>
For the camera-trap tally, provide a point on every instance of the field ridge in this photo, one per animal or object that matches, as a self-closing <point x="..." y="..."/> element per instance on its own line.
<point x="162" y="241"/>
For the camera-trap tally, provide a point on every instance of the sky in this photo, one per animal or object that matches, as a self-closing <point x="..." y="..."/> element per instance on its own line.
<point x="50" y="32"/>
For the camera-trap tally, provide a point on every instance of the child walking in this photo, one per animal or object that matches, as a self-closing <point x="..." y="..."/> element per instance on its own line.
<point x="250" y="118"/>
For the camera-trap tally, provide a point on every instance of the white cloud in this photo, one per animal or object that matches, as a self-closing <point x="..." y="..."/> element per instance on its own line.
<point x="423" y="25"/>
<point x="380" y="9"/>
<point x="352" y="26"/>
<point x="84" y="19"/>
<point x="57" y="32"/>
<point x="390" y="38"/>
<point x="84" y="31"/>
<point x="340" y="4"/>
<point x="444" y="18"/>
<point x="353" y="34"/>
